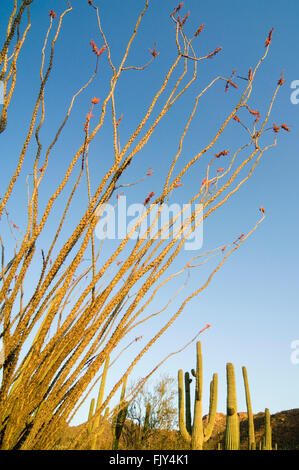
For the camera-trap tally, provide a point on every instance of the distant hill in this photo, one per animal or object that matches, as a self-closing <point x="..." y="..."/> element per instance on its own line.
<point x="285" y="429"/>
<point x="285" y="432"/>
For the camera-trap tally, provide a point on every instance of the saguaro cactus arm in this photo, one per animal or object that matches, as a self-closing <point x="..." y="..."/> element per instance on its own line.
<point x="213" y="407"/>
<point x="188" y="402"/>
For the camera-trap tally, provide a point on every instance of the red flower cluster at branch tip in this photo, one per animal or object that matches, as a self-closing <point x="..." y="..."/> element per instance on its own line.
<point x="275" y="128"/>
<point x="229" y="82"/>
<point x="207" y="182"/>
<point x="235" y="118"/>
<point x="281" y="80"/>
<point x="52" y="14"/>
<point x="95" y="49"/>
<point x="118" y="195"/>
<point x="285" y="127"/>
<point x="250" y="74"/>
<point x="214" y="52"/>
<point x="262" y="210"/>
<point x="90" y="3"/>
<point x="223" y="248"/>
<point x="207" y="326"/>
<point x="147" y="200"/>
<point x="119" y="120"/>
<point x="86" y="124"/>
<point x="183" y="20"/>
<point x="255" y="113"/>
<point x="95" y="100"/>
<point x="119" y="262"/>
<point x="239" y="238"/>
<point x="154" y="52"/>
<point x="223" y="152"/>
<point x="220" y="170"/>
<point x="199" y="30"/>
<point x="178" y="183"/>
<point x="150" y="172"/>
<point x="269" y="38"/>
<point x="180" y="5"/>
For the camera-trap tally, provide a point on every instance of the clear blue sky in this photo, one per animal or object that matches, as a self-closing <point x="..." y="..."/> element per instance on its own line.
<point x="252" y="303"/>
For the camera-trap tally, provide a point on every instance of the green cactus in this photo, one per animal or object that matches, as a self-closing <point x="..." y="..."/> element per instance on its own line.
<point x="251" y="436"/>
<point x="146" y="426"/>
<point x="94" y="428"/>
<point x="267" y="440"/>
<point x="232" y="431"/>
<point x="120" y="418"/>
<point x="197" y="433"/>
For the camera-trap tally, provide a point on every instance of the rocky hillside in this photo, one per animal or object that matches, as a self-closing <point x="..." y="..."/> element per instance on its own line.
<point x="285" y="432"/>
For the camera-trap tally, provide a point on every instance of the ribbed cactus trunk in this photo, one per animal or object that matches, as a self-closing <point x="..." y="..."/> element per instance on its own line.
<point x="196" y="434"/>
<point x="232" y="432"/>
<point x="146" y="425"/>
<point x="251" y="436"/>
<point x="267" y="442"/>
<point x="96" y="428"/>
<point x="120" y="418"/>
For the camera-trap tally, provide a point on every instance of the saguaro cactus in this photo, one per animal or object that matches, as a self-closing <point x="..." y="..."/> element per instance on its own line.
<point x="94" y="427"/>
<point x="196" y="434"/>
<point x="119" y="420"/>
<point x="251" y="436"/>
<point x="267" y="441"/>
<point x="146" y="425"/>
<point x="232" y="432"/>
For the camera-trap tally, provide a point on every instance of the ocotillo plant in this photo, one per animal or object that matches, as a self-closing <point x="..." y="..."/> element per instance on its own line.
<point x="196" y="433"/>
<point x="58" y="278"/>
<point x="232" y="431"/>
<point x="267" y="438"/>
<point x="251" y="435"/>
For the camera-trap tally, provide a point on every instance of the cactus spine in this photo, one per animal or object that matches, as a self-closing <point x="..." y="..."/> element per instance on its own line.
<point x="197" y="433"/>
<point x="251" y="436"/>
<point x="232" y="432"/>
<point x="267" y="441"/>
